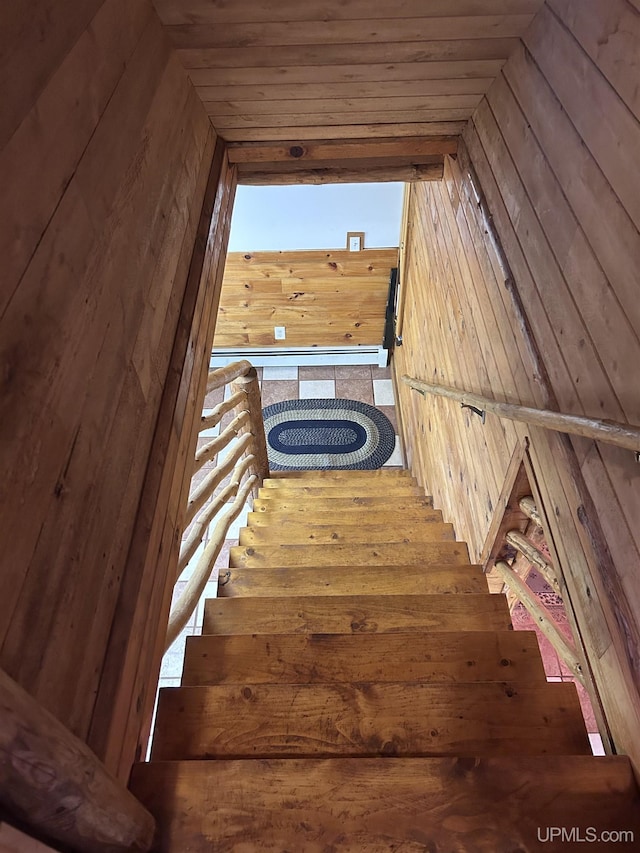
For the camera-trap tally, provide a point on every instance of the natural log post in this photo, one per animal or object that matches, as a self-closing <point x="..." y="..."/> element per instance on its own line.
<point x="543" y="619"/>
<point x="535" y="557"/>
<point x="223" y="375"/>
<point x="253" y="404"/>
<point x="529" y="508"/>
<point x="52" y="782"/>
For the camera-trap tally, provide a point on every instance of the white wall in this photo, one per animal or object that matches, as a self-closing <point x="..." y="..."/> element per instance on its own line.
<point x="315" y="217"/>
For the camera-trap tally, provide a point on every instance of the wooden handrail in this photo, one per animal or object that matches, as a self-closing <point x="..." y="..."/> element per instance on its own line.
<point x="247" y="455"/>
<point x="52" y="782"/>
<point x="188" y="601"/>
<point x="611" y="432"/>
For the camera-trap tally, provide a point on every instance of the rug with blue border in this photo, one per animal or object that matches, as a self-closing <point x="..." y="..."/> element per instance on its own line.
<point x="306" y="435"/>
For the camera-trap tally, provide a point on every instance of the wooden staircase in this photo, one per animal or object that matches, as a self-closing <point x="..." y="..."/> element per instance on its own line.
<point x="357" y="688"/>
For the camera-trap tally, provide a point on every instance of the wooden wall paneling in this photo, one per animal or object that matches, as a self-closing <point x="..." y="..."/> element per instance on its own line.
<point x="344" y="131"/>
<point x="201" y="12"/>
<point x="31" y="196"/>
<point x="94" y="520"/>
<point x="143" y="385"/>
<point x="27" y="58"/>
<point x="322" y="55"/>
<point x="606" y="30"/>
<point x="493" y="300"/>
<point x="353" y="117"/>
<point x="583" y="91"/>
<point x="606" y="224"/>
<point x="133" y="658"/>
<point x="340" y="74"/>
<point x="597" y="307"/>
<point x="323" y="298"/>
<point x="100" y="247"/>
<point x="463" y="366"/>
<point x="559" y="324"/>
<point x="526" y="283"/>
<point x="452" y="442"/>
<point x="381" y="31"/>
<point x="44" y="397"/>
<point x="476" y="368"/>
<point x="382" y="89"/>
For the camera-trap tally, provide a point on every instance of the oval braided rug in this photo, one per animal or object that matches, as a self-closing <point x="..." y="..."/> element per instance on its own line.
<point x="304" y="435"/>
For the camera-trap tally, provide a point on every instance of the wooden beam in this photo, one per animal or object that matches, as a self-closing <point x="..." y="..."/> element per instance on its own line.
<point x="354" y="173"/>
<point x="338" y="150"/>
<point x="52" y="782"/>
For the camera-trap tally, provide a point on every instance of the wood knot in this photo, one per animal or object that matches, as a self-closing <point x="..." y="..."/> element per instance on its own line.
<point x="296" y="151"/>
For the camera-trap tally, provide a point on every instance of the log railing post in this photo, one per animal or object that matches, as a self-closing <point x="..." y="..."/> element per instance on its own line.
<point x="249" y="385"/>
<point x="56" y="786"/>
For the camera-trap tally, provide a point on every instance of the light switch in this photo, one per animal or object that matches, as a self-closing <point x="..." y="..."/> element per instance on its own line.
<point x="354" y="244"/>
<point x="279" y="333"/>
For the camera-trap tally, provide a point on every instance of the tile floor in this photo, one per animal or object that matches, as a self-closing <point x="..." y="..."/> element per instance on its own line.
<point x="365" y="383"/>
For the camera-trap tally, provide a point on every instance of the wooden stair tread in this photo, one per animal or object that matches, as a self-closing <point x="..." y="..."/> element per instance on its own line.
<point x="327" y="614"/>
<point x="346" y="517"/>
<point x="353" y="580"/>
<point x="299" y="658"/>
<point x="366" y="719"/>
<point x="486" y="805"/>
<point x="343" y="474"/>
<point x="355" y="534"/>
<point x="310" y="506"/>
<point x="366" y="483"/>
<point x="338" y="554"/>
<point x="381" y="489"/>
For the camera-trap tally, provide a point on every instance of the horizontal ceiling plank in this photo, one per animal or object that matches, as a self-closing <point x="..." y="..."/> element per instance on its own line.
<point x="340" y="150"/>
<point x="310" y="91"/>
<point x="398" y="129"/>
<point x="293" y="120"/>
<point x="376" y="73"/>
<point x="258" y="11"/>
<point x="333" y="106"/>
<point x="346" y="175"/>
<point x="357" y="54"/>
<point x="385" y="31"/>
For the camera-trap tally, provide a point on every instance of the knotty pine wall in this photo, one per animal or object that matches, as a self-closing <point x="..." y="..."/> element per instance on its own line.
<point x="322" y="298"/>
<point x="106" y="157"/>
<point x="554" y="145"/>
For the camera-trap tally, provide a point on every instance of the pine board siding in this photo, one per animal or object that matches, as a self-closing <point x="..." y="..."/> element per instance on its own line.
<point x="408" y="69"/>
<point x="106" y="153"/>
<point x="553" y="144"/>
<point x="322" y="298"/>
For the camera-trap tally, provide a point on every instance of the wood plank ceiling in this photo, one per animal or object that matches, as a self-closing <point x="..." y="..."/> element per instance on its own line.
<point x="339" y="69"/>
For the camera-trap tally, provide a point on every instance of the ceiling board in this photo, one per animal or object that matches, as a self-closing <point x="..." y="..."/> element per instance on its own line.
<point x="269" y="70"/>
